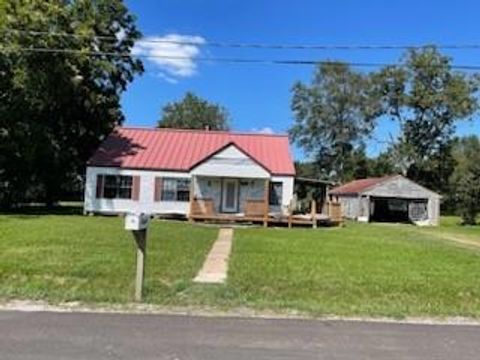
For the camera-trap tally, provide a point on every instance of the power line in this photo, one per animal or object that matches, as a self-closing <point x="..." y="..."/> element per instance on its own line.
<point x="231" y="60"/>
<point x="254" y="45"/>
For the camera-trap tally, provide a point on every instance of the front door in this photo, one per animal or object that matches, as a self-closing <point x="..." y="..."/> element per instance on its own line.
<point x="230" y="195"/>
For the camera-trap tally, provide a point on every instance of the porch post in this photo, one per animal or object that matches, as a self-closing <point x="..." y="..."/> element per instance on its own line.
<point x="314" y="213"/>
<point x="191" y="197"/>
<point x="290" y="213"/>
<point x="265" y="202"/>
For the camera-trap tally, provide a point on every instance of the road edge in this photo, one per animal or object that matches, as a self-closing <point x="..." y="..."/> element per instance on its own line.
<point x="246" y="313"/>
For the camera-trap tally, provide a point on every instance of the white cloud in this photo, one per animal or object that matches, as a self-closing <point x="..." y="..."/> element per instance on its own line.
<point x="169" y="79"/>
<point x="173" y="58"/>
<point x="264" y="130"/>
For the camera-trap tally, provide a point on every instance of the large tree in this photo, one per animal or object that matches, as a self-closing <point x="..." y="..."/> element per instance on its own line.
<point x="60" y="90"/>
<point x="333" y="115"/>
<point x="426" y="97"/>
<point x="193" y="112"/>
<point x="464" y="194"/>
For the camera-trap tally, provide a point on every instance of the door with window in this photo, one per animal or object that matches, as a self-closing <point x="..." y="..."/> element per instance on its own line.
<point x="230" y="196"/>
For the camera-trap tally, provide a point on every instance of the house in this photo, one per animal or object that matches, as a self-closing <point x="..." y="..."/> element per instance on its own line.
<point x="390" y="198"/>
<point x="193" y="173"/>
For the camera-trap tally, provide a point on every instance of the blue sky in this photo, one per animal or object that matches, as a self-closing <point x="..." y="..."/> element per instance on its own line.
<point x="258" y="96"/>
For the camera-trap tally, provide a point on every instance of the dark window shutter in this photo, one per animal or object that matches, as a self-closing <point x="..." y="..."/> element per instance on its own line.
<point x="100" y="179"/>
<point x="157" y="193"/>
<point x="135" y="187"/>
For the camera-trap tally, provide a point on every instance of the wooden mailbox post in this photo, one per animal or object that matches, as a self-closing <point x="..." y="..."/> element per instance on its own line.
<point x="138" y="224"/>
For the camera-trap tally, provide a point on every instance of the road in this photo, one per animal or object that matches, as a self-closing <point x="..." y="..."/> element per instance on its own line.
<point x="44" y="335"/>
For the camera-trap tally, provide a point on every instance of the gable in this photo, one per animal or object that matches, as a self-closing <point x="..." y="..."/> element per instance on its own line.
<point x="400" y="186"/>
<point x="230" y="162"/>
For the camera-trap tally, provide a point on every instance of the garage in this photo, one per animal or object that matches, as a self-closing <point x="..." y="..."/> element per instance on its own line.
<point x="395" y="199"/>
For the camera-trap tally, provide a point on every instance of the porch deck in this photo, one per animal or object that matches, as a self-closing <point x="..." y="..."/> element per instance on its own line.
<point x="256" y="211"/>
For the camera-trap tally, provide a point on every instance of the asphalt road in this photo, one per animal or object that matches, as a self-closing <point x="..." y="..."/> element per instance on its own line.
<point x="42" y="335"/>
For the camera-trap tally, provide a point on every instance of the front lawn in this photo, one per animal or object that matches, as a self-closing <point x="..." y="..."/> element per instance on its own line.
<point x="371" y="269"/>
<point x="92" y="259"/>
<point x="362" y="269"/>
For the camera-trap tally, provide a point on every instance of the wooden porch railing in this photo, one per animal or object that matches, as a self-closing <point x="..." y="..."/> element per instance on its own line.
<point x="204" y="207"/>
<point x="334" y="211"/>
<point x="254" y="209"/>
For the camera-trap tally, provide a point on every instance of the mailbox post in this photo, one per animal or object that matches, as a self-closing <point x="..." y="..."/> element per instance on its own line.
<point x="138" y="224"/>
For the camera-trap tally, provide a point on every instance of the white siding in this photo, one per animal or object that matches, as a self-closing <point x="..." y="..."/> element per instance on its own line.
<point x="204" y="187"/>
<point x="287" y="192"/>
<point x="231" y="162"/>
<point x="146" y="201"/>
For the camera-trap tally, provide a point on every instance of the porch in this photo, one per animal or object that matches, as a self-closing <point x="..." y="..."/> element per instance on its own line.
<point x="256" y="200"/>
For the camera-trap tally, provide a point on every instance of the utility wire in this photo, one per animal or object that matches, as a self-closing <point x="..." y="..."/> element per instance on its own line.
<point x="252" y="45"/>
<point x="215" y="59"/>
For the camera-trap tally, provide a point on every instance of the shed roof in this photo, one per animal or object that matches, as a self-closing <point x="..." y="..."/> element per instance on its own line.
<point x="374" y="184"/>
<point x="181" y="150"/>
<point x="358" y="186"/>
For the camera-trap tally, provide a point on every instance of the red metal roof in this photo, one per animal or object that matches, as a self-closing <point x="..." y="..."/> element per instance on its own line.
<point x="180" y="150"/>
<point x="357" y="186"/>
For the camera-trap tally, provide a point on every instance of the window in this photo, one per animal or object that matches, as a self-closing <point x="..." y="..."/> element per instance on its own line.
<point x="175" y="189"/>
<point x="117" y="187"/>
<point x="275" y="194"/>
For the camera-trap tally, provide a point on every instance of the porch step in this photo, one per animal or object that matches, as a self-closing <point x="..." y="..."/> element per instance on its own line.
<point x="214" y="269"/>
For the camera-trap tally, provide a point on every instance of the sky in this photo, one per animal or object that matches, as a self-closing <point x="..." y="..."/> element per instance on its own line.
<point x="258" y="96"/>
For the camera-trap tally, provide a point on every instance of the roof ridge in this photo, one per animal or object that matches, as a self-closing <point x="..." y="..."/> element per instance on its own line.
<point x="201" y="131"/>
<point x="370" y="182"/>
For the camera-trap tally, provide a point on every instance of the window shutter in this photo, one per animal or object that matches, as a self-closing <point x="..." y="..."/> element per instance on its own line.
<point x="135" y="187"/>
<point x="100" y="180"/>
<point x="157" y="193"/>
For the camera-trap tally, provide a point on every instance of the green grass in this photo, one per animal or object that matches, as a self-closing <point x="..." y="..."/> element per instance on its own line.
<point x="92" y="259"/>
<point x="362" y="269"/>
<point x="451" y="224"/>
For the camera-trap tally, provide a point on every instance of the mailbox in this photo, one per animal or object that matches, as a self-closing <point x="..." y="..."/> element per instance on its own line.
<point x="136" y="221"/>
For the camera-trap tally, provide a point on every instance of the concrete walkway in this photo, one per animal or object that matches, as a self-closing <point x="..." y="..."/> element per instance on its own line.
<point x="215" y="268"/>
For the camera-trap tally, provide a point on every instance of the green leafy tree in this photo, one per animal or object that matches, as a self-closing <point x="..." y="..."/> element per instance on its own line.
<point x="468" y="192"/>
<point x="381" y="165"/>
<point x="57" y="106"/>
<point x="358" y="164"/>
<point x="333" y="115"/>
<point x="427" y="98"/>
<point x="464" y="194"/>
<point x="193" y="112"/>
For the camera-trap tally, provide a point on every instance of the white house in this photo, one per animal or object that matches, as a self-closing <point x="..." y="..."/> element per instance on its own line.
<point x="190" y="172"/>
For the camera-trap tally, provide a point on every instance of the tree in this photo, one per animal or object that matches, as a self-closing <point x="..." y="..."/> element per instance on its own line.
<point x="468" y="192"/>
<point x="193" y="112"/>
<point x="381" y="165"/>
<point x="57" y="106"/>
<point x="333" y="115"/>
<point x="426" y="98"/>
<point x="464" y="194"/>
